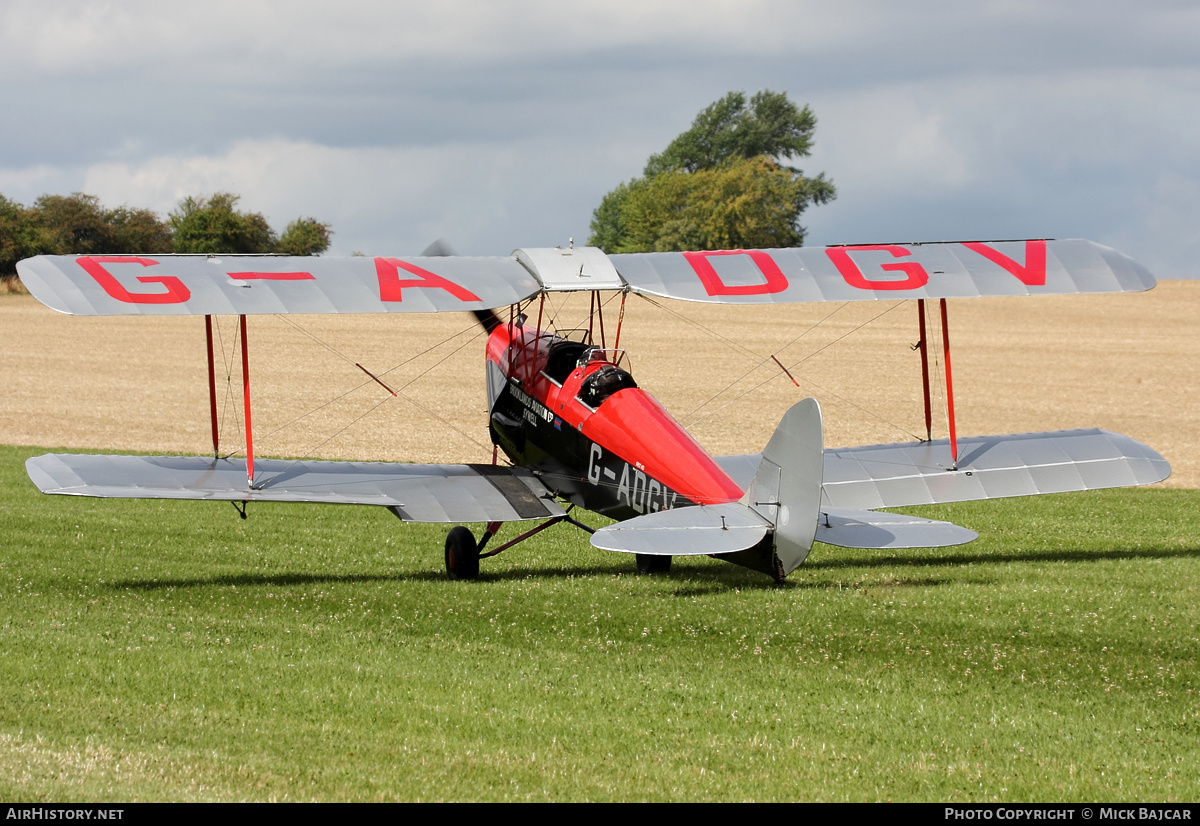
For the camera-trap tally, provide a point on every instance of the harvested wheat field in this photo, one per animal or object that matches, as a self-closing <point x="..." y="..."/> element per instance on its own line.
<point x="1126" y="362"/>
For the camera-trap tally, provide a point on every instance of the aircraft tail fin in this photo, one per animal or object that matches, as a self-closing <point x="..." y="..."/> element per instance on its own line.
<point x="786" y="490"/>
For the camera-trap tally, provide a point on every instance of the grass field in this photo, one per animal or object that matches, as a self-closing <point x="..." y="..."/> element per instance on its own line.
<point x="171" y="651"/>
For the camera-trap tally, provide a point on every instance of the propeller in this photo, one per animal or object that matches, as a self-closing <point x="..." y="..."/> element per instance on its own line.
<point x="441" y="249"/>
<point x="438" y="249"/>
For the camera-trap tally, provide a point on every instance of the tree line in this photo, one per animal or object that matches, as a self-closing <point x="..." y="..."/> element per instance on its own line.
<point x="726" y="183"/>
<point x="723" y="184"/>
<point x="79" y="224"/>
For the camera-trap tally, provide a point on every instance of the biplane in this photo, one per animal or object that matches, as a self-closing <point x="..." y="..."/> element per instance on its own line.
<point x="574" y="428"/>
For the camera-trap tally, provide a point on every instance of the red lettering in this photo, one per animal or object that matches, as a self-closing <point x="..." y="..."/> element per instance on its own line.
<point x="176" y="292"/>
<point x="775" y="280"/>
<point x="273" y="276"/>
<point x="390" y="283"/>
<point x="840" y="256"/>
<point x="1033" y="274"/>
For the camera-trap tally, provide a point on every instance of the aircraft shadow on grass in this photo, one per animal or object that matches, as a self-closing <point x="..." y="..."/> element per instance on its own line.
<point x="959" y="559"/>
<point x="698" y="583"/>
<point x="292" y="579"/>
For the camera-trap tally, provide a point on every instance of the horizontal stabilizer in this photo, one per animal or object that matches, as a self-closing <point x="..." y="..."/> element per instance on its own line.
<point x="692" y="531"/>
<point x="415" y="493"/>
<point x="872" y="529"/>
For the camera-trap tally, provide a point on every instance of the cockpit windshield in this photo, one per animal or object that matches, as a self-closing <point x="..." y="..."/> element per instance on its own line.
<point x="617" y="358"/>
<point x="564" y="357"/>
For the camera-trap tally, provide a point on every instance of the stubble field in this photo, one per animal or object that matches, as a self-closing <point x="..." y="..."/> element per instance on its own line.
<point x="1128" y="363"/>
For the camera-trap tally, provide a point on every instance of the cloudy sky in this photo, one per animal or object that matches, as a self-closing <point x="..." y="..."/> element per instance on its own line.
<point x="501" y="124"/>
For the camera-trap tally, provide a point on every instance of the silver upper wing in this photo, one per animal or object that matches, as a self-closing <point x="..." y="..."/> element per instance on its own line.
<point x="255" y="284"/>
<point x="415" y="493"/>
<point x="259" y="284"/>
<point x="884" y="271"/>
<point x="989" y="467"/>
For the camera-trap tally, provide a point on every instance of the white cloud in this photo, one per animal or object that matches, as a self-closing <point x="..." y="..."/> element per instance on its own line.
<point x="886" y="140"/>
<point x="485" y="198"/>
<point x="357" y="188"/>
<point x="1109" y="154"/>
<point x="26" y="184"/>
<point x="229" y="35"/>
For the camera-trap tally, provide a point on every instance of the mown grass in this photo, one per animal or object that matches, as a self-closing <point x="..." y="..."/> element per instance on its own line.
<point x="171" y="651"/>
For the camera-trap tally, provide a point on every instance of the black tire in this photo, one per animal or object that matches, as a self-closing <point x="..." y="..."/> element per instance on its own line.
<point x="462" y="554"/>
<point x="653" y="564"/>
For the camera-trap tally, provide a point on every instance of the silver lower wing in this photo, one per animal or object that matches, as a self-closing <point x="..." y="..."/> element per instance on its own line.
<point x="415" y="493"/>
<point x="989" y="467"/>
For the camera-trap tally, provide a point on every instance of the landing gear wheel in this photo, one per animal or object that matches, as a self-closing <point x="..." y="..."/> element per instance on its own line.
<point x="653" y="564"/>
<point x="462" y="554"/>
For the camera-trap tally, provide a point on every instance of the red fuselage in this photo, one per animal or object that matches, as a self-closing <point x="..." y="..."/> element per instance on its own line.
<point x="570" y="412"/>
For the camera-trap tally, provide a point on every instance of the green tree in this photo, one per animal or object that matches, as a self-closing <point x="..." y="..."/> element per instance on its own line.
<point x="722" y="184"/>
<point x="139" y="231"/>
<point x="744" y="203"/>
<point x="213" y="225"/>
<point x="608" y="220"/>
<point x="20" y="237"/>
<point x="78" y="224"/>
<point x="75" y="224"/>
<point x="304" y="236"/>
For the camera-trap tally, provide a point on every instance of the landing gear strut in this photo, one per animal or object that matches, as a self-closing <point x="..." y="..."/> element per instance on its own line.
<point x="463" y="553"/>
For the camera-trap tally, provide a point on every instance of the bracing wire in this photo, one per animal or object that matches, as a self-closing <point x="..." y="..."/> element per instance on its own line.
<point x="763" y="361"/>
<point x="938" y="379"/>
<point x="797" y="363"/>
<point x="397" y="392"/>
<point x="745" y="351"/>
<point x="227" y="360"/>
